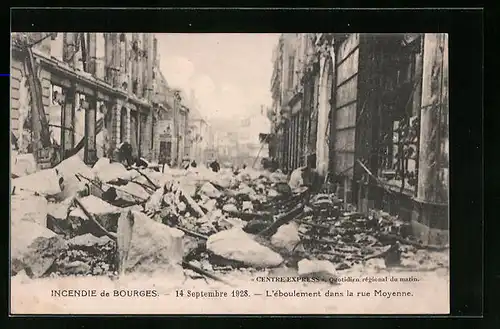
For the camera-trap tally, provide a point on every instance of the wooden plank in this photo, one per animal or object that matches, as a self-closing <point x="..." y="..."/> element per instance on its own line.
<point x="347" y="46"/>
<point x="346" y="116"/>
<point x="348" y="67"/>
<point x="345" y="140"/>
<point x="347" y="92"/>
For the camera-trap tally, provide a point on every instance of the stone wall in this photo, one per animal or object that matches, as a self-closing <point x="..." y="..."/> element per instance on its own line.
<point x="16" y="78"/>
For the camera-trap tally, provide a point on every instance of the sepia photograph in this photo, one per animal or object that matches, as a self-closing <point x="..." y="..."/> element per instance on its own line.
<point x="235" y="173"/>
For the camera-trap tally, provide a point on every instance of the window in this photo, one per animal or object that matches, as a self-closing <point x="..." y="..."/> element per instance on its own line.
<point x="399" y="123"/>
<point x="291" y="71"/>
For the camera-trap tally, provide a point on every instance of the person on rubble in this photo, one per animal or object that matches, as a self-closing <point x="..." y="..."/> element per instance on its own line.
<point x="125" y="154"/>
<point x="141" y="163"/>
<point x="215" y="166"/>
<point x="306" y="176"/>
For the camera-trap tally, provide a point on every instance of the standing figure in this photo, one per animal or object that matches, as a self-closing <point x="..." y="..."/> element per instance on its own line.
<point x="215" y="166"/>
<point x="125" y="154"/>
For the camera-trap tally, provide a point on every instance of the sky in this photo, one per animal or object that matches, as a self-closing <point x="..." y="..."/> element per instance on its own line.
<point x="229" y="73"/>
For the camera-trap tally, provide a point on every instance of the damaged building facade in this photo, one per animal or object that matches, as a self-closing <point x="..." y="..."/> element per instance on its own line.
<point x="97" y="89"/>
<point x="198" y="137"/>
<point x="173" y="124"/>
<point x="370" y="111"/>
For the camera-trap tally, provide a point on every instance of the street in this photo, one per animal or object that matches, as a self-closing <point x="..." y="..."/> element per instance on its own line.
<point x="268" y="173"/>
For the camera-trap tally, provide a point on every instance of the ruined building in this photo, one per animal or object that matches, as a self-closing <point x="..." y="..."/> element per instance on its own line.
<point x="370" y="111"/>
<point x="98" y="91"/>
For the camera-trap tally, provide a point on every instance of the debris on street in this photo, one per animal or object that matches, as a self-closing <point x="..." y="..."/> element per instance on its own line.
<point x="198" y="222"/>
<point x="318" y="174"/>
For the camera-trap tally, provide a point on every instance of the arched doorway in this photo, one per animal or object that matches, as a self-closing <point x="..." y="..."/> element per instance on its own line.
<point x="324" y="114"/>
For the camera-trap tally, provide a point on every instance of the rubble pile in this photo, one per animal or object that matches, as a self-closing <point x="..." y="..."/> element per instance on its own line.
<point x="87" y="254"/>
<point x="65" y="220"/>
<point x="108" y="220"/>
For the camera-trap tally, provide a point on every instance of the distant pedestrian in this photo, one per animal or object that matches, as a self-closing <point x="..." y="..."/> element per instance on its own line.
<point x="235" y="170"/>
<point x="215" y="166"/>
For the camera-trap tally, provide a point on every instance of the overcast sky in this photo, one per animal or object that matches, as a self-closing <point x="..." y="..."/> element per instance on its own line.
<point x="229" y="73"/>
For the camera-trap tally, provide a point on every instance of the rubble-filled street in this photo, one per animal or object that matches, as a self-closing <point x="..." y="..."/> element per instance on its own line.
<point x="229" y="173"/>
<point x="199" y="228"/>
